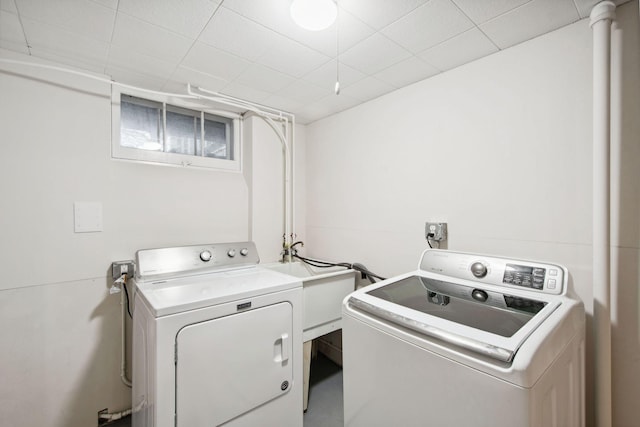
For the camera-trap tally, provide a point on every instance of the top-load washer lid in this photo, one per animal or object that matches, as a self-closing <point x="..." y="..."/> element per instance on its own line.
<point x="477" y="319"/>
<point x="485" y="304"/>
<point x="495" y="313"/>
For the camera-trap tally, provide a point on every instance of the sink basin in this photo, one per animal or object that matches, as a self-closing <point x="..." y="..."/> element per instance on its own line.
<point x="323" y="290"/>
<point x="302" y="270"/>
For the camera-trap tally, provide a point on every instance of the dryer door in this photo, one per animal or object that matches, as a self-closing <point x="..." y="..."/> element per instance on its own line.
<point x="230" y="365"/>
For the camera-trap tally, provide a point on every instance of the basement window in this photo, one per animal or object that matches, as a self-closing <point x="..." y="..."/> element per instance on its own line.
<point x="152" y="130"/>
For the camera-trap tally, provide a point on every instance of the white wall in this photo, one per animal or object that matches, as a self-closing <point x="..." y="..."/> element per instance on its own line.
<point x="59" y="326"/>
<point x="501" y="150"/>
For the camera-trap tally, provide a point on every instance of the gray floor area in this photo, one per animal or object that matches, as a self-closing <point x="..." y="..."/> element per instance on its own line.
<point x="325" y="396"/>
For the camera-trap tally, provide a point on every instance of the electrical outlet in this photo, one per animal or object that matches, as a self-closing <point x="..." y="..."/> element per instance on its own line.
<point x="436" y="231"/>
<point x="118" y="268"/>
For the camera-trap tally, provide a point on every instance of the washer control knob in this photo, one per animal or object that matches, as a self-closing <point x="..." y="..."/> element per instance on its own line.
<point x="244" y="251"/>
<point x="478" y="269"/>
<point x="205" y="256"/>
<point x="479" y="295"/>
<point x="231" y="253"/>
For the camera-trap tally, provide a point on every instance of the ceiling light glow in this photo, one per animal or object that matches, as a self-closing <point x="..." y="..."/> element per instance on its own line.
<point x="314" y="15"/>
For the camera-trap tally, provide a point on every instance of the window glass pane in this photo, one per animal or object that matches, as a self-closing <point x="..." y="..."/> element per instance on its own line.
<point x="181" y="132"/>
<point x="217" y="139"/>
<point x="140" y="124"/>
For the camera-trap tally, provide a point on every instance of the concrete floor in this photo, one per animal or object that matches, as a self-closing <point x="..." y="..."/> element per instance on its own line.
<point x="325" y="394"/>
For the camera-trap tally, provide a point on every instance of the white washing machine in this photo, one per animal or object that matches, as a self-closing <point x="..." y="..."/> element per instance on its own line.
<point x="216" y="339"/>
<point x="465" y="340"/>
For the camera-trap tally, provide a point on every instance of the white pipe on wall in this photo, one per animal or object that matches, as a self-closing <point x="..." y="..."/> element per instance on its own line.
<point x="271" y="116"/>
<point x="601" y="17"/>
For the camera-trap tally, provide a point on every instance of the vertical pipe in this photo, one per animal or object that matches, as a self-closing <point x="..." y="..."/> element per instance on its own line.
<point x="293" y="179"/>
<point x="601" y="17"/>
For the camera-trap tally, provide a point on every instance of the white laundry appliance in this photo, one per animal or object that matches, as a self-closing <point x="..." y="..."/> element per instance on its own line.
<point x="466" y="340"/>
<point x="216" y="339"/>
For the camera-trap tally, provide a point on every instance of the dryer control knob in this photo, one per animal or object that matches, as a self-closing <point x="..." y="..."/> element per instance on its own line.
<point x="205" y="256"/>
<point x="231" y="253"/>
<point x="478" y="269"/>
<point x="244" y="251"/>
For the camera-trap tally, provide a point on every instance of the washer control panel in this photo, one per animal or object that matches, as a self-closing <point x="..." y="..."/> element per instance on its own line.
<point x="524" y="275"/>
<point x="531" y="275"/>
<point x="196" y="259"/>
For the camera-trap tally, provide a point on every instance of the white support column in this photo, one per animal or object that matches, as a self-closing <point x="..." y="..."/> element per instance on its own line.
<point x="601" y="17"/>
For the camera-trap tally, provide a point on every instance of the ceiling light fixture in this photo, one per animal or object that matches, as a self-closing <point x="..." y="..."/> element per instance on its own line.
<point x="314" y="15"/>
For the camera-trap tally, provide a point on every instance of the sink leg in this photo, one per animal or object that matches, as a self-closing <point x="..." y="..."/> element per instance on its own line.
<point x="306" y="370"/>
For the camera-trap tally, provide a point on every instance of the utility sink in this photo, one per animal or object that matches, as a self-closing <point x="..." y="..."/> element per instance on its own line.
<point x="323" y="290"/>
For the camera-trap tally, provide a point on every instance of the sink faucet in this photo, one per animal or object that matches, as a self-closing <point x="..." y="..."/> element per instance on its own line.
<point x="288" y="251"/>
<point x="294" y="251"/>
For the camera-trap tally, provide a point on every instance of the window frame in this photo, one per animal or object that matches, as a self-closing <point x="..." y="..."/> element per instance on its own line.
<point x="174" y="159"/>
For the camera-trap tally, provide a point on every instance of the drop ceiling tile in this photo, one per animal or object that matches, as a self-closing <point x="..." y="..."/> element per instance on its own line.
<point x="10" y="29"/>
<point x="73" y="60"/>
<point x="187" y="18"/>
<point x="380" y="13"/>
<point x="236" y="34"/>
<point x="374" y="54"/>
<point x="275" y="15"/>
<point x="215" y="62"/>
<point x="15" y="47"/>
<point x="325" y="76"/>
<point x="8" y="6"/>
<point x="266" y="12"/>
<point x="482" y="11"/>
<point x="82" y="17"/>
<point x="528" y="21"/>
<point x="241" y="91"/>
<point x="367" y="89"/>
<point x="260" y="77"/>
<point x="66" y="43"/>
<point x="428" y="25"/>
<point x="350" y="29"/>
<point x="585" y="6"/>
<point x="326" y="106"/>
<point x="406" y="72"/>
<point x="282" y="103"/>
<point x="292" y="58"/>
<point x="133" y="78"/>
<point x="183" y="75"/>
<point x="151" y="40"/>
<point x="466" y="47"/>
<point x="111" y="4"/>
<point x="121" y="58"/>
<point x="304" y="92"/>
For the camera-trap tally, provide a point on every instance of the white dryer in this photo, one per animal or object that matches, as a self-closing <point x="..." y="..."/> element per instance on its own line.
<point x="216" y="339"/>
<point x="465" y="340"/>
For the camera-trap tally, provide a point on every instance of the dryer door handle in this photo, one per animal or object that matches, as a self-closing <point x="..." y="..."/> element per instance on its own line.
<point x="285" y="340"/>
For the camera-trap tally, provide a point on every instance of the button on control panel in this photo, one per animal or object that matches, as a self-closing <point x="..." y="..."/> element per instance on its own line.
<point x="522" y="275"/>
<point x="205" y="256"/>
